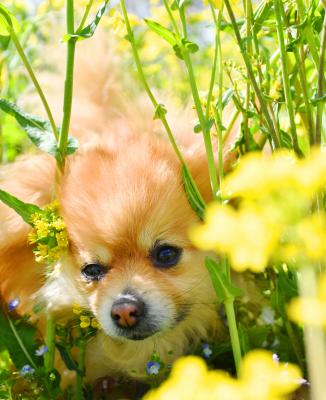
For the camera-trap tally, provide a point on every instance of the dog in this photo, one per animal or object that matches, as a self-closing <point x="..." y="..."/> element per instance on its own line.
<point x="130" y="260"/>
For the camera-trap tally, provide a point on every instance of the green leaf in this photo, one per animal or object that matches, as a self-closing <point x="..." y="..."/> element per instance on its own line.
<point x="38" y="130"/>
<point x="222" y="284"/>
<point x="25" y="210"/>
<point x="7" y="21"/>
<point x="190" y="46"/>
<point x="316" y="100"/>
<point x="160" y="111"/>
<point x="164" y="33"/>
<point x="66" y="357"/>
<point x="89" y="30"/>
<point x="19" y="339"/>
<point x="227" y="96"/>
<point x="193" y="196"/>
<point x="177" y="4"/>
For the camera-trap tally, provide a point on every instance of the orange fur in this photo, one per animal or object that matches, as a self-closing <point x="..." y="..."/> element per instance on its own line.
<point x="119" y="194"/>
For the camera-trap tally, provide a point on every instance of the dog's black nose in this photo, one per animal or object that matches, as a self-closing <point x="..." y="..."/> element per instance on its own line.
<point x="127" y="311"/>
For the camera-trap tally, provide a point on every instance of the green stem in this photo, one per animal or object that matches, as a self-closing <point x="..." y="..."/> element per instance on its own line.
<point x="279" y="11"/>
<point x="232" y="323"/>
<point x="299" y="57"/>
<point x="321" y="78"/>
<point x="202" y="120"/>
<point x="217" y="67"/>
<point x="87" y="10"/>
<point x="219" y="112"/>
<point x="308" y="32"/>
<point x="246" y="131"/>
<point x="34" y="80"/>
<point x="172" y="19"/>
<point x="152" y="98"/>
<point x="81" y="368"/>
<point x="251" y="76"/>
<point x="50" y="343"/>
<point x="183" y="21"/>
<point x="68" y="89"/>
<point x="314" y="338"/>
<point x="233" y="119"/>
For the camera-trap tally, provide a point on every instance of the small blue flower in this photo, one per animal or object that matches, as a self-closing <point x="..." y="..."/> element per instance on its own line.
<point x="153" y="368"/>
<point x="13" y="304"/>
<point x="207" y="351"/>
<point x="27" y="370"/>
<point x="41" y="351"/>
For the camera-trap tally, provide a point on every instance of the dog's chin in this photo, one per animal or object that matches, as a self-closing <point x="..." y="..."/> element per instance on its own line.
<point x="133" y="335"/>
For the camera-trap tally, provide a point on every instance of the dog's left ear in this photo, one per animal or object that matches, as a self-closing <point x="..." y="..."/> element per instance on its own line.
<point x="196" y="159"/>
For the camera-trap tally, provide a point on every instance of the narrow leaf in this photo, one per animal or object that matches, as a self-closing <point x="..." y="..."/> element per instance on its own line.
<point x="89" y="30"/>
<point x="19" y="340"/>
<point x="193" y="198"/>
<point x="38" y="130"/>
<point x="25" y="210"/>
<point x="222" y="285"/>
<point x="164" y="33"/>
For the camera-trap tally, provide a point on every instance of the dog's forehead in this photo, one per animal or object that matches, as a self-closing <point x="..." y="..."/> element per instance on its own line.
<point x="125" y="202"/>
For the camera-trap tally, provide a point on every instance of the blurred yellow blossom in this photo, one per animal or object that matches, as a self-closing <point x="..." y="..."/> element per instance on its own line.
<point x="261" y="378"/>
<point x="245" y="235"/>
<point x="310" y="310"/>
<point x="273" y="219"/>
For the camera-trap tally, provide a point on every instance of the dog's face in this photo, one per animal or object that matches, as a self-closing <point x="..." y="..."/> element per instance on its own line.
<point x="128" y="216"/>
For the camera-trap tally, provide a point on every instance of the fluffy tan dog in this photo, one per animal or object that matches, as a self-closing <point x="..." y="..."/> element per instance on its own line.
<point x="130" y="259"/>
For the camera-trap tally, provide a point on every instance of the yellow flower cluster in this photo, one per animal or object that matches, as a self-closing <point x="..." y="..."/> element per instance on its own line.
<point x="261" y="378"/>
<point x="85" y="319"/>
<point x="312" y="310"/>
<point x="49" y="234"/>
<point x="269" y="212"/>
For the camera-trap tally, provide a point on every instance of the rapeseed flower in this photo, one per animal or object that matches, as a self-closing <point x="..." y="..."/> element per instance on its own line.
<point x="260" y="378"/>
<point x="49" y="234"/>
<point x="273" y="218"/>
<point x="310" y="310"/>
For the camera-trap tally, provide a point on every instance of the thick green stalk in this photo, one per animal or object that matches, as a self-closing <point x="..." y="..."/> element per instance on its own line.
<point x="299" y="57"/>
<point x="34" y="80"/>
<point x="218" y="63"/>
<point x="252" y="78"/>
<point x="314" y="338"/>
<point x="81" y="368"/>
<point x="246" y="131"/>
<point x="152" y="98"/>
<point x="68" y="89"/>
<point x="279" y="11"/>
<point x="321" y="83"/>
<point x="202" y="120"/>
<point x="50" y="343"/>
<point x="229" y="303"/>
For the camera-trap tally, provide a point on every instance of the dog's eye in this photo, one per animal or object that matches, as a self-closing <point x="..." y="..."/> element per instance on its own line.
<point x="94" y="272"/>
<point x="165" y="255"/>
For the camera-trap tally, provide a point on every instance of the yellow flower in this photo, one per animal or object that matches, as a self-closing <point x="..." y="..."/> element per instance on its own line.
<point x="85" y="321"/>
<point x="95" y="323"/>
<point x="77" y="309"/>
<point x="62" y="239"/>
<point x="312" y="237"/>
<point x="245" y="235"/>
<point x="310" y="310"/>
<point x="261" y="378"/>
